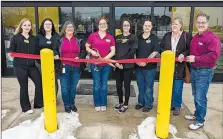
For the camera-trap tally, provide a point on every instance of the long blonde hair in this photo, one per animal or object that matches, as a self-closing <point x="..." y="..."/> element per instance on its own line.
<point x="19" y="29"/>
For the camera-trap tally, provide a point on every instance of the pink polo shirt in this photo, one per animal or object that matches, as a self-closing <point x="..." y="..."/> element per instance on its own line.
<point x="206" y="48"/>
<point x="70" y="49"/>
<point x="102" y="45"/>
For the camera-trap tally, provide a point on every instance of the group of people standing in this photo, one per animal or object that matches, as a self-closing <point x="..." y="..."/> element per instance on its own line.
<point x="202" y="52"/>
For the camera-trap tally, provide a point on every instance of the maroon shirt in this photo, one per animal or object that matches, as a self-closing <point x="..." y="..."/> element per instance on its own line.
<point x="206" y="48"/>
<point x="102" y="45"/>
<point x="70" y="49"/>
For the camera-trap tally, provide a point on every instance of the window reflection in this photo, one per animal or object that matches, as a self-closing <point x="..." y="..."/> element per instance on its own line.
<point x="86" y="19"/>
<point x="135" y="14"/>
<point x="11" y="16"/>
<point x="163" y="16"/>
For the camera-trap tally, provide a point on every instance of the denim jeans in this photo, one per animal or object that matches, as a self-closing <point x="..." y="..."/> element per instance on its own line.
<point x="145" y="82"/>
<point x="100" y="76"/>
<point x="69" y="81"/>
<point x="200" y="81"/>
<point x="177" y="93"/>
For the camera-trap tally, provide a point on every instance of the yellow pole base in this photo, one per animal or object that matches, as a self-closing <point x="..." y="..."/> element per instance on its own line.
<point x="165" y="93"/>
<point x="49" y="95"/>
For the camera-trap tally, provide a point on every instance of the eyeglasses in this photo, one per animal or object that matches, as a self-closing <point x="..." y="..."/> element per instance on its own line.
<point x="48" y="24"/>
<point x="102" y="24"/>
<point x="201" y="23"/>
<point x="126" y="25"/>
<point x="70" y="27"/>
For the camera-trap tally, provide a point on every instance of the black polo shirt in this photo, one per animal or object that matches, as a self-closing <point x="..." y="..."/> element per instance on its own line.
<point x="20" y="44"/>
<point x="146" y="47"/>
<point x="43" y="42"/>
<point x="126" y="48"/>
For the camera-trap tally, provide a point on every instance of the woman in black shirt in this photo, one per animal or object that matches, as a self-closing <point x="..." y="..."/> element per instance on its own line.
<point x="126" y="45"/>
<point x="47" y="38"/>
<point x="145" y="72"/>
<point x="24" y="42"/>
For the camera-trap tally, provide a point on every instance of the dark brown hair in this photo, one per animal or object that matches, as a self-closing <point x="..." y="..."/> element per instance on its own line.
<point x="126" y="19"/>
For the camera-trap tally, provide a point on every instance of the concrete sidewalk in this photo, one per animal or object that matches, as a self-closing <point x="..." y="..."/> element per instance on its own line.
<point x="110" y="124"/>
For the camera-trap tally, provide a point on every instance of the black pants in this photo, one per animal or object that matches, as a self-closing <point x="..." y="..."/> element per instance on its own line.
<point x="22" y="74"/>
<point x="126" y="76"/>
<point x="56" y="77"/>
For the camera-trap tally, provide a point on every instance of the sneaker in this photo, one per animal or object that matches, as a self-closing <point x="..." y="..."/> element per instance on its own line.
<point x="176" y="111"/>
<point x="190" y="117"/>
<point x="146" y="109"/>
<point x="118" y="106"/>
<point x="74" y="108"/>
<point x="97" y="108"/>
<point x="103" y="108"/>
<point x="123" y="109"/>
<point x="196" y="126"/>
<point x="29" y="111"/>
<point x="138" y="107"/>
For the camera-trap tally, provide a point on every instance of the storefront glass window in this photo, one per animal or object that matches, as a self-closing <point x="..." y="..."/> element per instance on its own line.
<point x="11" y="16"/>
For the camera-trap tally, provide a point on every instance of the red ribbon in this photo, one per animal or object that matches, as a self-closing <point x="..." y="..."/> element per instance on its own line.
<point x="147" y="60"/>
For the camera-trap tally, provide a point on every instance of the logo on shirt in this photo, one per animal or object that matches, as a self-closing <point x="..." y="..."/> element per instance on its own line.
<point x="200" y="43"/>
<point x="48" y="42"/>
<point x="107" y="40"/>
<point x="148" y="41"/>
<point x="124" y="40"/>
<point x="26" y="41"/>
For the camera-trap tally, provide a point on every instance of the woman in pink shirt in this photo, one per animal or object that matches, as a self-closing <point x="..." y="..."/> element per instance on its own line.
<point x="100" y="44"/>
<point x="68" y="46"/>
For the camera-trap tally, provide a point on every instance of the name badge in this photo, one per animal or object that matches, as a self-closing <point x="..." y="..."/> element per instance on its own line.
<point x="48" y="42"/>
<point x="124" y="40"/>
<point x="26" y="41"/>
<point x="148" y="41"/>
<point x="200" y="43"/>
<point x="107" y="40"/>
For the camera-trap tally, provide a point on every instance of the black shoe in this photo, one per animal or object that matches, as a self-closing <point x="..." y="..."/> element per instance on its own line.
<point x="67" y="109"/>
<point x="118" y="106"/>
<point x="172" y="108"/>
<point x="176" y="112"/>
<point x="138" y="107"/>
<point x="146" y="109"/>
<point x="123" y="109"/>
<point x="74" y="108"/>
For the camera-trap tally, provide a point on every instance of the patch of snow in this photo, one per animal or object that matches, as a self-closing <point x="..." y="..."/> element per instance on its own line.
<point x="146" y="130"/>
<point x="4" y="112"/>
<point x="67" y="124"/>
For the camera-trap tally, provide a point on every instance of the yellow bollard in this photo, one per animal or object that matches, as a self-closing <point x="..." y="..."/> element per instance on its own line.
<point x="165" y="93"/>
<point x="49" y="95"/>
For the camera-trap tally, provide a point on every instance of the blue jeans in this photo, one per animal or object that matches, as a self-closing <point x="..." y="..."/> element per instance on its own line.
<point x="100" y="76"/>
<point x="145" y="82"/>
<point x="177" y="93"/>
<point x="200" y="81"/>
<point x="68" y="82"/>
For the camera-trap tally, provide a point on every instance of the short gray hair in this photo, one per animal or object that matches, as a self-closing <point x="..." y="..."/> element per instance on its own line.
<point x="180" y="21"/>
<point x="62" y="32"/>
<point x="204" y="15"/>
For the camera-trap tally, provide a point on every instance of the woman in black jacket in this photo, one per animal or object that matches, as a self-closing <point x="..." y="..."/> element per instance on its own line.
<point x="179" y="42"/>
<point x="24" y="42"/>
<point x="126" y="45"/>
<point x="146" y="72"/>
<point x="47" y="38"/>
